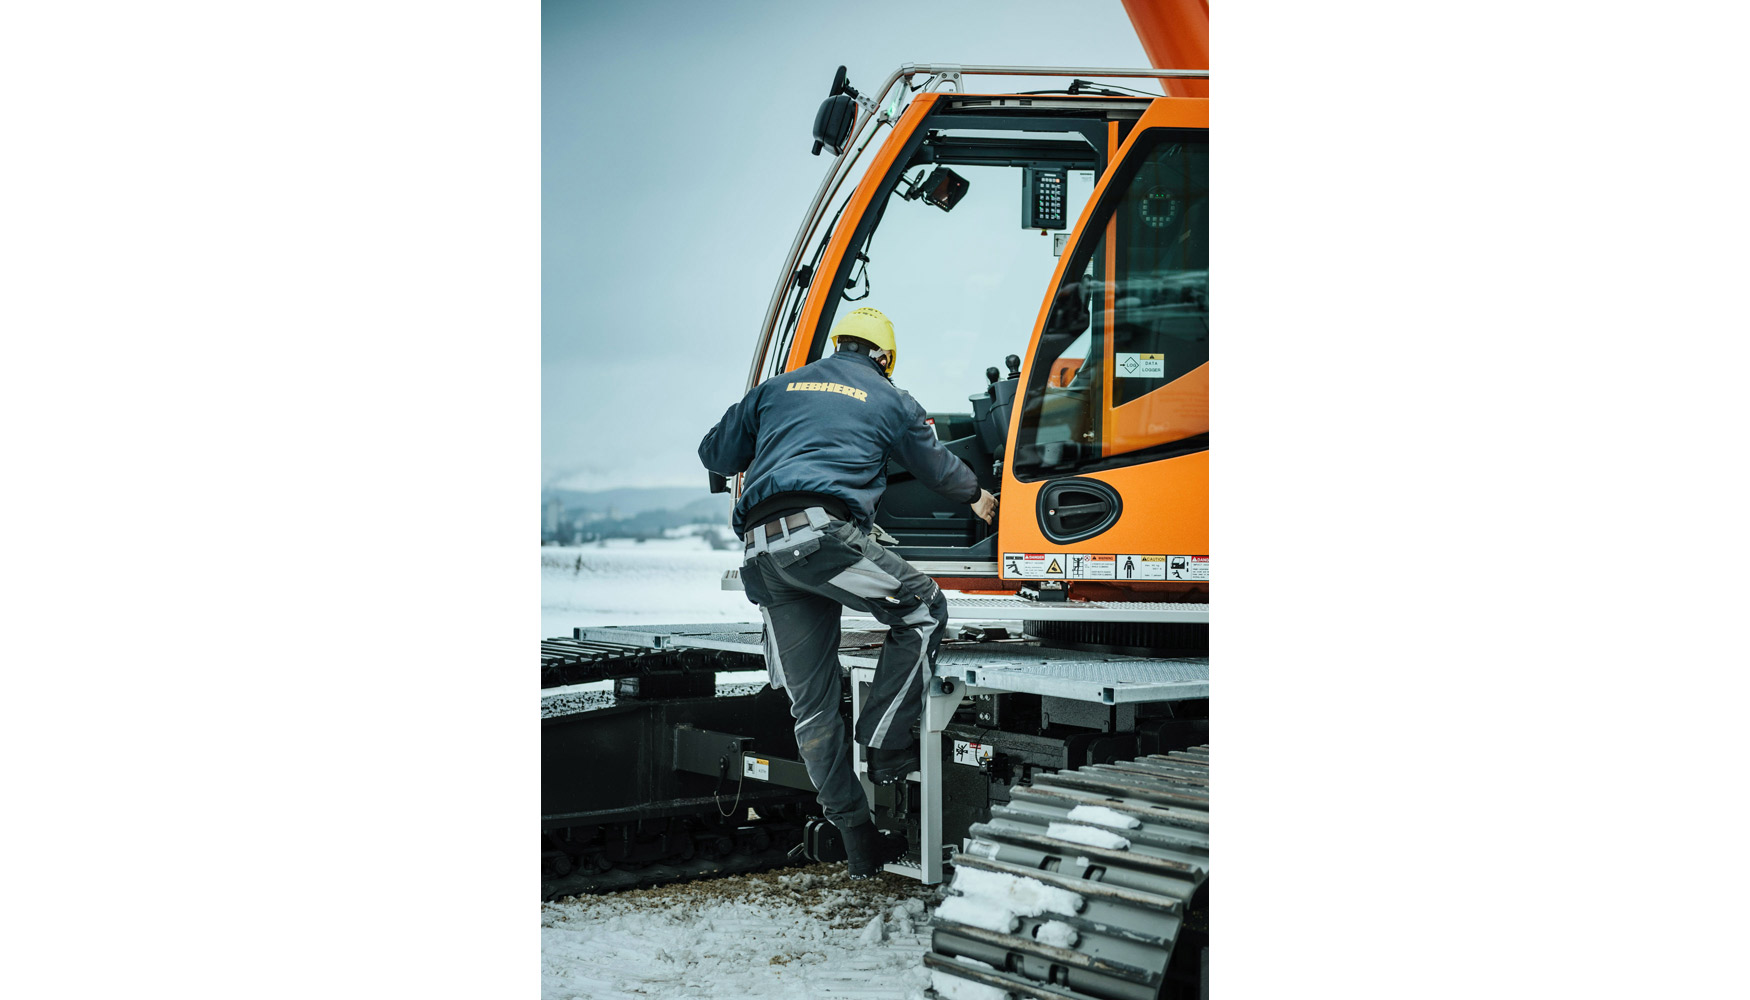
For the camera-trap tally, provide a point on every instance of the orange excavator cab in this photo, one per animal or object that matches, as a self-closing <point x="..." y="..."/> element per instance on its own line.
<point x="1094" y="287"/>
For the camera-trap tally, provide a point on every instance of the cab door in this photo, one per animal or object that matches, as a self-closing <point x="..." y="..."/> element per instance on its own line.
<point x="1107" y="477"/>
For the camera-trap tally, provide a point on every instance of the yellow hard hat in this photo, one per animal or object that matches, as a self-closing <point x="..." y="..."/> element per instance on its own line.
<point x="870" y="325"/>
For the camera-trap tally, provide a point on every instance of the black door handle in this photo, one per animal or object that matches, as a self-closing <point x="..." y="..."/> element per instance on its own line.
<point x="1092" y="507"/>
<point x="1082" y="508"/>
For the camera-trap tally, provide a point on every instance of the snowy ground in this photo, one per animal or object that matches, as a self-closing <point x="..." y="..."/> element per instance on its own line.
<point x="796" y="934"/>
<point x="622" y="582"/>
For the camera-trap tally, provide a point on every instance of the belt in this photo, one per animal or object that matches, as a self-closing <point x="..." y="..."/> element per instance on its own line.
<point x="782" y="526"/>
<point x="762" y="535"/>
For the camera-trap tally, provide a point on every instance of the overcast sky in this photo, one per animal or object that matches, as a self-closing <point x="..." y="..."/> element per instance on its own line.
<point x="675" y="170"/>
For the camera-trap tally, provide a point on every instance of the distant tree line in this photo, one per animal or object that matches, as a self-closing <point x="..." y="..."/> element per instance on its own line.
<point x="575" y="526"/>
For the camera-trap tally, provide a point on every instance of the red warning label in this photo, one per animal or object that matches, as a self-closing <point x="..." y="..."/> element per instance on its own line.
<point x="1033" y="565"/>
<point x="1187" y="567"/>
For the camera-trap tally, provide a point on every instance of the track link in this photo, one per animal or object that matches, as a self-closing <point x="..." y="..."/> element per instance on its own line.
<point x="1062" y="908"/>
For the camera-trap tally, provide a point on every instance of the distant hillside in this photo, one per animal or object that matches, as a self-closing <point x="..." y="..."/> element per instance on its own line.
<point x="635" y="500"/>
<point x="630" y="513"/>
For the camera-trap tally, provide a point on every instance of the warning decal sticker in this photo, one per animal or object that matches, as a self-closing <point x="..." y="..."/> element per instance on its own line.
<point x="967" y="752"/>
<point x="1033" y="565"/>
<point x="1140" y="365"/>
<point x="754" y="767"/>
<point x="1139" y="567"/>
<point x="1187" y="567"/>
<point x="1083" y="566"/>
<point x="1098" y="566"/>
<point x="1145" y="567"/>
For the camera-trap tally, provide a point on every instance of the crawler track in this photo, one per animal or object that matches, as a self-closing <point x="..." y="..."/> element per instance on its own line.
<point x="1136" y="920"/>
<point x="622" y="878"/>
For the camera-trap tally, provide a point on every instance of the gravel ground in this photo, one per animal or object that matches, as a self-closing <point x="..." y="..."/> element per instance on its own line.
<point x="792" y="934"/>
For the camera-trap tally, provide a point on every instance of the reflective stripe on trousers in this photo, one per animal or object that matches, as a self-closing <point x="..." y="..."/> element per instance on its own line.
<point x="800" y="579"/>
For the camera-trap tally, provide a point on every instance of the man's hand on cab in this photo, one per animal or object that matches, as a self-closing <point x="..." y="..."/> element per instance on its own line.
<point x="985" y="506"/>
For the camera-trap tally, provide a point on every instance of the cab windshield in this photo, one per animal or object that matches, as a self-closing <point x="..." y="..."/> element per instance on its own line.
<point x="964" y="237"/>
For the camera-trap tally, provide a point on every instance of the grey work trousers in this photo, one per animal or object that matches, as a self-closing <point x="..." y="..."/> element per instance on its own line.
<point x="799" y="579"/>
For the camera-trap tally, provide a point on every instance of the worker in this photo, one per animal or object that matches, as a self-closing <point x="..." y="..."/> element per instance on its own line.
<point x="814" y="444"/>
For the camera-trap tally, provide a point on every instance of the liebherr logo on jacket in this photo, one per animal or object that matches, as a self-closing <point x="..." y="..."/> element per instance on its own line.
<point x="857" y="394"/>
<point x="785" y="438"/>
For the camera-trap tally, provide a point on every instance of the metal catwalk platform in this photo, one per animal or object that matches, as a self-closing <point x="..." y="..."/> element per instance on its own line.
<point x="977" y="658"/>
<point x="963" y="607"/>
<point x="1003" y="665"/>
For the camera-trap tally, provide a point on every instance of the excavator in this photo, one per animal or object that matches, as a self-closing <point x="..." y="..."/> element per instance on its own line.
<point x="1063" y="790"/>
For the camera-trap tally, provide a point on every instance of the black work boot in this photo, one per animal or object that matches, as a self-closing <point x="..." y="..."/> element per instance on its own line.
<point x="867" y="849"/>
<point x="891" y="765"/>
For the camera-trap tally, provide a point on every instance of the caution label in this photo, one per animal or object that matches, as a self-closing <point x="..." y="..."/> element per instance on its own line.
<point x="1187" y="567"/>
<point x="1141" y="567"/>
<point x="756" y="767"/>
<point x="968" y="752"/>
<point x="1033" y="565"/>
<point x="1084" y="566"/>
<point x="1140" y="365"/>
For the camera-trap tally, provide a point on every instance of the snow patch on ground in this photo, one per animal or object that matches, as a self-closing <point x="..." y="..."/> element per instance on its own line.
<point x="1102" y="816"/>
<point x="801" y="934"/>
<point x="664" y="580"/>
<point x="1090" y="835"/>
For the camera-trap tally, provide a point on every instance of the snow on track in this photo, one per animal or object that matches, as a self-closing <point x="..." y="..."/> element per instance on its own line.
<point x="794" y="934"/>
<point x="1102" y="816"/>
<point x="1092" y="836"/>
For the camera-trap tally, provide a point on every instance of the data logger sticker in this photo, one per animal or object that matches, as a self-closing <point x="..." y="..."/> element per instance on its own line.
<point x="1140" y="365"/>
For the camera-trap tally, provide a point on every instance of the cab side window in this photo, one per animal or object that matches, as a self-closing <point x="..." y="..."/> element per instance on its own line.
<point x="1121" y="373"/>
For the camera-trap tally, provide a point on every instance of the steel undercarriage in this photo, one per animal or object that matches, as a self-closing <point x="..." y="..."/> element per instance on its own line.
<point x="671" y="775"/>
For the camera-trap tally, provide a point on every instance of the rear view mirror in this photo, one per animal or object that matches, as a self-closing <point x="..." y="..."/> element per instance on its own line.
<point x="832" y="123"/>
